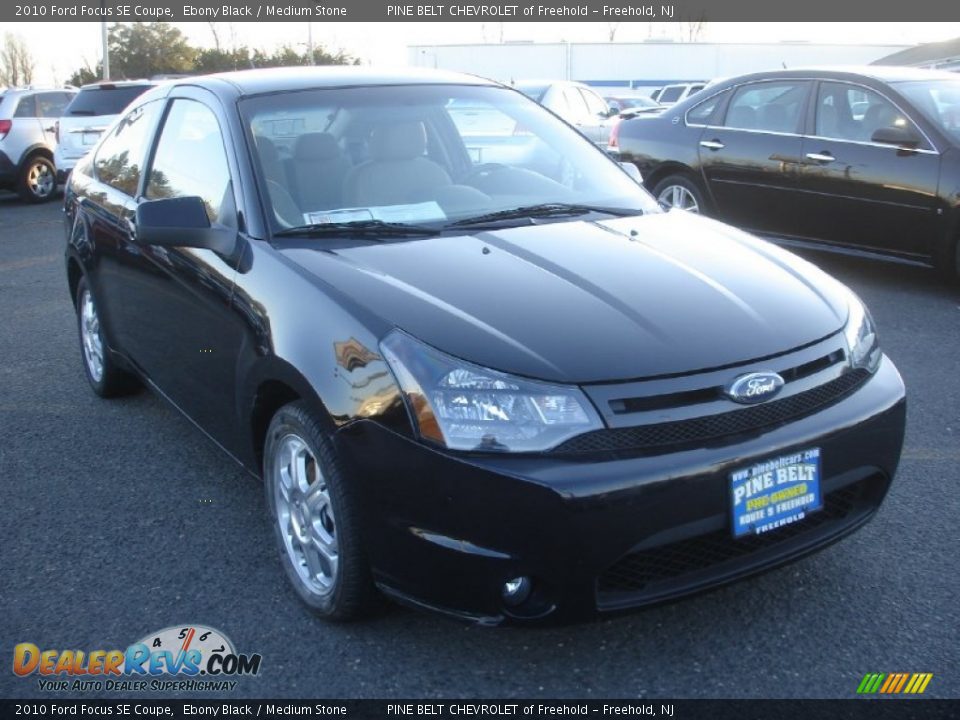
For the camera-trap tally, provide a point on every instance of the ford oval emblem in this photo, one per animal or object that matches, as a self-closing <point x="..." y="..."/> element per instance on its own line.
<point x="754" y="387"/>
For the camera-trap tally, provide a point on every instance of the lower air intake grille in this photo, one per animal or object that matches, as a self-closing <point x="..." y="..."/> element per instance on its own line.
<point x="638" y="572"/>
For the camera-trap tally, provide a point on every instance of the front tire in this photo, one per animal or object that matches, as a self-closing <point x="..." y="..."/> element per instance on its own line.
<point x="38" y="179"/>
<point x="315" y="514"/>
<point x="103" y="374"/>
<point x="680" y="192"/>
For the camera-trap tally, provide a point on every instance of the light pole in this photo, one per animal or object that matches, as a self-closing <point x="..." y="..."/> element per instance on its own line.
<point x="106" y="49"/>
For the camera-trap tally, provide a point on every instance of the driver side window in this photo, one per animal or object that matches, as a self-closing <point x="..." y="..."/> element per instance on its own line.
<point x="190" y="158"/>
<point x="854" y="113"/>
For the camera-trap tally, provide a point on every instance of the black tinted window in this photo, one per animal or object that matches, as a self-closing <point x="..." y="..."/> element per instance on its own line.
<point x="190" y="159"/>
<point x="119" y="159"/>
<point x="105" y="100"/>
<point x="27" y="106"/>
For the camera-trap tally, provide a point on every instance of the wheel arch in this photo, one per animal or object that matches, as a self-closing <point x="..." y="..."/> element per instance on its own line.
<point x="35" y="149"/>
<point x="275" y="383"/>
<point x="669" y="168"/>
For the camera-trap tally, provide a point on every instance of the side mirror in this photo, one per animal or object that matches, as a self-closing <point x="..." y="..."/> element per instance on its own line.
<point x="900" y="136"/>
<point x="182" y="222"/>
<point x="633" y="171"/>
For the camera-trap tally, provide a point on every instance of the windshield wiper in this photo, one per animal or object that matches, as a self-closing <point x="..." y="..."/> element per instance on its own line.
<point x="544" y="210"/>
<point x="359" y="228"/>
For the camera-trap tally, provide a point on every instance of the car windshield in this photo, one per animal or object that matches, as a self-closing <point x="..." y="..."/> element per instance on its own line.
<point x="434" y="156"/>
<point x="939" y="101"/>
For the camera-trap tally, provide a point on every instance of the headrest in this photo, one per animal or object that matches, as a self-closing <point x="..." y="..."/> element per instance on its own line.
<point x="400" y="141"/>
<point x="316" y="146"/>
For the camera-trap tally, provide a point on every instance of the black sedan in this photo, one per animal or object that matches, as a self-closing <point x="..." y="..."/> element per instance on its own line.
<point x="865" y="159"/>
<point x="494" y="392"/>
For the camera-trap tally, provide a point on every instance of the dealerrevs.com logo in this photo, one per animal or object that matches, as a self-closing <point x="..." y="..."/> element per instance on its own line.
<point x="177" y="658"/>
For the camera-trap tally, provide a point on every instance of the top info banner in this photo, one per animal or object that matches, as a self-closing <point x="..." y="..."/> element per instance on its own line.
<point x="381" y="10"/>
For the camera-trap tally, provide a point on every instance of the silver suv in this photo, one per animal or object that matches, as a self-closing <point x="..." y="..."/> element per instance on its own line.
<point x="28" y="139"/>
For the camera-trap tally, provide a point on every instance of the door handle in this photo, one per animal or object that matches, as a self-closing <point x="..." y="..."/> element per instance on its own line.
<point x="52" y="128"/>
<point x="821" y="157"/>
<point x="712" y="144"/>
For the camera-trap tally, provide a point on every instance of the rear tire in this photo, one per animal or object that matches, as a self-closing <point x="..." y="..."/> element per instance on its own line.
<point x="680" y="192"/>
<point x="105" y="377"/>
<point x="38" y="179"/>
<point x="314" y="510"/>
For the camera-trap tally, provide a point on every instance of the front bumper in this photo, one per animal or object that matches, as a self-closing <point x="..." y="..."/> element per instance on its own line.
<point x="446" y="531"/>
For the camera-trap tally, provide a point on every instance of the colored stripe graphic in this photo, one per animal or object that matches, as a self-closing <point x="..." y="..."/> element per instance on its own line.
<point x="894" y="683"/>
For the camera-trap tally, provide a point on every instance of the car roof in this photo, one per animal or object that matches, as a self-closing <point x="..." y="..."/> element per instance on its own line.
<point x="882" y="73"/>
<point x="271" y="80"/>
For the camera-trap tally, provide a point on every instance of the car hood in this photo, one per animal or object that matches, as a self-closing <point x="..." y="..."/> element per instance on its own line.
<point x="576" y="301"/>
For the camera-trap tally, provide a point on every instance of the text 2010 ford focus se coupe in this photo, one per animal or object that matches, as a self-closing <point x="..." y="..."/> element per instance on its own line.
<point x="479" y="370"/>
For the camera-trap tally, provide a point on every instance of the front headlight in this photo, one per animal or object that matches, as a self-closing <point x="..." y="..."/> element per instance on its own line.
<point x="862" y="343"/>
<point x="468" y="407"/>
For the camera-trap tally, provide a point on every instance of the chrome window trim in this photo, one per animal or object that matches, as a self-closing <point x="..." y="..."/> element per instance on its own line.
<point x="867" y="143"/>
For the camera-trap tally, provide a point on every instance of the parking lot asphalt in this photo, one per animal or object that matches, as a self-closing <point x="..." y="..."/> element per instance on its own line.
<point x="118" y="518"/>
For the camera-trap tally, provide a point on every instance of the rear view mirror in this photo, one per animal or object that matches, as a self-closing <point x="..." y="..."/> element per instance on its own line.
<point x="182" y="222"/>
<point x="900" y="136"/>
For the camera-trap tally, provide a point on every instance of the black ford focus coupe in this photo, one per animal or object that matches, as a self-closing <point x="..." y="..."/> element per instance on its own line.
<point x="476" y="365"/>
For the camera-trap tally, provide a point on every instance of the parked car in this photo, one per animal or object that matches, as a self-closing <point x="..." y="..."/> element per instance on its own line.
<point x="482" y="390"/>
<point x="672" y="94"/>
<point x="576" y="103"/>
<point x="867" y="159"/>
<point x="91" y="111"/>
<point x="28" y="139"/>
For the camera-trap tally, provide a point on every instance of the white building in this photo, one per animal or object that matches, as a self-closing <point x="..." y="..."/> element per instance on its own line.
<point x="640" y="65"/>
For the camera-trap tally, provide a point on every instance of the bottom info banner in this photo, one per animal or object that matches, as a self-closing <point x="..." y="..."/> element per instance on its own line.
<point x="286" y="708"/>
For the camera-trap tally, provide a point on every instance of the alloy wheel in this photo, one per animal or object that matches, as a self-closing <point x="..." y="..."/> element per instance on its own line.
<point x="305" y="515"/>
<point x="40" y="180"/>
<point x="677" y="196"/>
<point x="90" y="336"/>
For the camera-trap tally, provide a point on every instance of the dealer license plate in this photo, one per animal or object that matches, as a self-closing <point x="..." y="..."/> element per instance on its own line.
<point x="775" y="493"/>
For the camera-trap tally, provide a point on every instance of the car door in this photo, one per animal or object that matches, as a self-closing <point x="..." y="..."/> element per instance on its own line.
<point x="854" y="191"/>
<point x="750" y="159"/>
